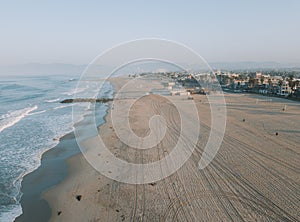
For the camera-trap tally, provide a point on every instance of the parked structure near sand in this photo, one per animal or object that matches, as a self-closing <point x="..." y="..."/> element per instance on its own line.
<point x="179" y="93"/>
<point x="176" y="90"/>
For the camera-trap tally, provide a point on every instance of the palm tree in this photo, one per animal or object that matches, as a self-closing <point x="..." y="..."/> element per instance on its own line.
<point x="251" y="82"/>
<point x="270" y="90"/>
<point x="262" y="79"/>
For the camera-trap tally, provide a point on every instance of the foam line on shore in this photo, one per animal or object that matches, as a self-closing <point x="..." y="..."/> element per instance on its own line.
<point x="34" y="183"/>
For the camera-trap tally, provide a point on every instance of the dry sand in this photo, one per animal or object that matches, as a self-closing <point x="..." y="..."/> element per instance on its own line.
<point x="254" y="177"/>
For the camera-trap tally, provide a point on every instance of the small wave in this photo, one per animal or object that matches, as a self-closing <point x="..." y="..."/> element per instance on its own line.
<point x="11" y="213"/>
<point x="52" y="100"/>
<point x="73" y="92"/>
<point x="35" y="113"/>
<point x="12" y="117"/>
<point x="62" y="107"/>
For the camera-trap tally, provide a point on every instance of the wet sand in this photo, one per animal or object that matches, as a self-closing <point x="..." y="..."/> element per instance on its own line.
<point x="254" y="177"/>
<point x="52" y="171"/>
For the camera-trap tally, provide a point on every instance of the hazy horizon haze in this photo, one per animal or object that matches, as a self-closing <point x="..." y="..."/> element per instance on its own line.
<point x="76" y="32"/>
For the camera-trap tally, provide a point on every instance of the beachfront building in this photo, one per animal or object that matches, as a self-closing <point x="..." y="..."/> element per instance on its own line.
<point x="285" y="89"/>
<point x="297" y="93"/>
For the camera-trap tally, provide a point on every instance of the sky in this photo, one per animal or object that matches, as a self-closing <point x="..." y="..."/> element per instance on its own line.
<point x="75" y="32"/>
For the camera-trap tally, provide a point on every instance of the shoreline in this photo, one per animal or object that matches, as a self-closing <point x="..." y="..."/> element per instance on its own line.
<point x="34" y="207"/>
<point x="35" y="183"/>
<point x="101" y="197"/>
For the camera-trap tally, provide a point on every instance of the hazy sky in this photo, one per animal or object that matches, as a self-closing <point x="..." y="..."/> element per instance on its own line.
<point x="221" y="31"/>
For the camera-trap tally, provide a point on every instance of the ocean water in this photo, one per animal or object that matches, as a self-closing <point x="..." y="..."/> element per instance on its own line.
<point x="31" y="121"/>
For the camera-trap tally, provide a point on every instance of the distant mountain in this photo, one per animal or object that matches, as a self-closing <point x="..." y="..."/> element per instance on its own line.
<point x="41" y="69"/>
<point x="65" y="69"/>
<point x="70" y="69"/>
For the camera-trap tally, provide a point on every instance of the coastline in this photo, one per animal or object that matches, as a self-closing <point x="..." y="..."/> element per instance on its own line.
<point x="82" y="194"/>
<point x="52" y="171"/>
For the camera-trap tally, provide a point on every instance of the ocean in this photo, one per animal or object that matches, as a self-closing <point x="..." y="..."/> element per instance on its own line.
<point x="32" y="119"/>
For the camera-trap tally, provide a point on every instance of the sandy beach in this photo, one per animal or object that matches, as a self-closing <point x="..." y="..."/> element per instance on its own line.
<point x="254" y="176"/>
<point x="52" y="171"/>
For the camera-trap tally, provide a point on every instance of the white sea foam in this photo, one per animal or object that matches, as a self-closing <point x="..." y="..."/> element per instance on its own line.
<point x="73" y="92"/>
<point x="62" y="107"/>
<point x="11" y="212"/>
<point x="12" y="117"/>
<point x="35" y="113"/>
<point x="52" y="100"/>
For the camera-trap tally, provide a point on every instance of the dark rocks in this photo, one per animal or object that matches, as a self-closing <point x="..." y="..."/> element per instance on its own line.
<point x="87" y="100"/>
<point x="122" y="217"/>
<point x="78" y="197"/>
<point x="59" y="213"/>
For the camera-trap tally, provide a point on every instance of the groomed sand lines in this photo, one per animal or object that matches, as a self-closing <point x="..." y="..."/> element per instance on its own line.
<point x="254" y="177"/>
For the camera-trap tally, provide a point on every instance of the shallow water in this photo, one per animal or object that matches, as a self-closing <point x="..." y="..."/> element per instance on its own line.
<point x="31" y="120"/>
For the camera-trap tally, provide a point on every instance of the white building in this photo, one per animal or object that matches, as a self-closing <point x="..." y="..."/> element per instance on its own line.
<point x="285" y="89"/>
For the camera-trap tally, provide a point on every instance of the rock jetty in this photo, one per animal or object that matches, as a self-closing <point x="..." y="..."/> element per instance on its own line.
<point x="87" y="100"/>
